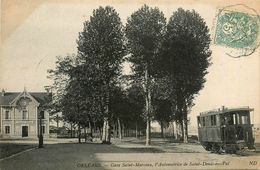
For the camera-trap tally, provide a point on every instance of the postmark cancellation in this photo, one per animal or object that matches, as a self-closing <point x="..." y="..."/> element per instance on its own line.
<point x="237" y="30"/>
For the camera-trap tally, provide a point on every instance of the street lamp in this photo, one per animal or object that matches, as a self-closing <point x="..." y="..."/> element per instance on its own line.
<point x="40" y="135"/>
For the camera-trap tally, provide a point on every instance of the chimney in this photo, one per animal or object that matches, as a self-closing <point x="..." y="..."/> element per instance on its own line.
<point x="3" y="92"/>
<point x="223" y="108"/>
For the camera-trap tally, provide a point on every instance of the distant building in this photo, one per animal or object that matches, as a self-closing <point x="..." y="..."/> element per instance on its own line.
<point x="20" y="114"/>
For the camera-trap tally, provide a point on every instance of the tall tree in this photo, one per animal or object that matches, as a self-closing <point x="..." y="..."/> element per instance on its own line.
<point x="101" y="46"/>
<point x="163" y="113"/>
<point x="136" y="101"/>
<point x="61" y="77"/>
<point x="185" y="60"/>
<point x="73" y="91"/>
<point x="144" y="31"/>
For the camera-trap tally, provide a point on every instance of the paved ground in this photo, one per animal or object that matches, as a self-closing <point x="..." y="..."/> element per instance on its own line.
<point x="129" y="154"/>
<point x="35" y="140"/>
<point x="8" y="149"/>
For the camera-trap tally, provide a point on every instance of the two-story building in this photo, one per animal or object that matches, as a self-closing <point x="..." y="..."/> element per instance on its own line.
<point x="20" y="114"/>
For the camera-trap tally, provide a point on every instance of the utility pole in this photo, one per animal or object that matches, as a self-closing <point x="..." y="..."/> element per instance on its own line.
<point x="40" y="135"/>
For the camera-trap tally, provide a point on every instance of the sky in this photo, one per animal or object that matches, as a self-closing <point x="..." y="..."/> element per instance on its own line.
<point x="52" y="28"/>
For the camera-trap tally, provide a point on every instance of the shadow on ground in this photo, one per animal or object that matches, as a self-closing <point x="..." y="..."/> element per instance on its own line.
<point x="8" y="149"/>
<point x="92" y="155"/>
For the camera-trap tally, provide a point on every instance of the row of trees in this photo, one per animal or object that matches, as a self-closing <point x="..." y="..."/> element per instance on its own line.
<point x="169" y="64"/>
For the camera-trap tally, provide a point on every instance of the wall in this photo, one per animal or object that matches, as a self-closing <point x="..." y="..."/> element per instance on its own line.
<point x="16" y="121"/>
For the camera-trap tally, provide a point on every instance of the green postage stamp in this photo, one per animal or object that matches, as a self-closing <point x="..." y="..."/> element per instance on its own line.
<point x="238" y="31"/>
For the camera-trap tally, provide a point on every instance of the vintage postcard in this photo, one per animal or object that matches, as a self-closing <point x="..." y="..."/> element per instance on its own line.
<point x="120" y="84"/>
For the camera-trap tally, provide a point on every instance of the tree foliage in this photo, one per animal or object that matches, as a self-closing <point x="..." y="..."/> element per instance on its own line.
<point x="185" y="59"/>
<point x="144" y="32"/>
<point x="169" y="64"/>
<point x="101" y="48"/>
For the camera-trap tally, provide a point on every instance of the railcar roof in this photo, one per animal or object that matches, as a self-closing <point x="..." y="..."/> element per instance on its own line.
<point x="225" y="110"/>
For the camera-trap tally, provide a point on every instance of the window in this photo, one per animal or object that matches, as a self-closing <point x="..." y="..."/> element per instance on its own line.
<point x="7" y="114"/>
<point x="230" y="119"/>
<point x="218" y="119"/>
<point x="213" y="120"/>
<point x="203" y="123"/>
<point x="7" y="129"/>
<point x="25" y="114"/>
<point x="43" y="129"/>
<point x="244" y="119"/>
<point x="42" y="114"/>
<point x="199" y="123"/>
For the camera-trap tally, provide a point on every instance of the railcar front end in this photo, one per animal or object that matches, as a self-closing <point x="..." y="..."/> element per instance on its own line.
<point x="226" y="130"/>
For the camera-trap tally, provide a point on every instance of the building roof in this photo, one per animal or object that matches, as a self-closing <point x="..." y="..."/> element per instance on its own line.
<point x="8" y="97"/>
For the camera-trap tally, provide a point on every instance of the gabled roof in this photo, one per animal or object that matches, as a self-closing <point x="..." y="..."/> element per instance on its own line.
<point x="7" y="98"/>
<point x="10" y="96"/>
<point x="39" y="96"/>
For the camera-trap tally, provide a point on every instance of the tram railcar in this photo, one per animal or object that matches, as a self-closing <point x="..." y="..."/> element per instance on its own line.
<point x="226" y="130"/>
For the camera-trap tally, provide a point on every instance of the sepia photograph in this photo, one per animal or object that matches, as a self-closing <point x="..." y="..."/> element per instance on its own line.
<point x="120" y="84"/>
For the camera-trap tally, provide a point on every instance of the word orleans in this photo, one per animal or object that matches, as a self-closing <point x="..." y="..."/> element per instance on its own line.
<point x="113" y="164"/>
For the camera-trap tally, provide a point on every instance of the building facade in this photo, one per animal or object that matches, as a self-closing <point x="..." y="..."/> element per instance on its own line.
<point x="20" y="115"/>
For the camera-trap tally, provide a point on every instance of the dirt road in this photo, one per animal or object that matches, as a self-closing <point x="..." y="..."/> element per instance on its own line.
<point x="129" y="154"/>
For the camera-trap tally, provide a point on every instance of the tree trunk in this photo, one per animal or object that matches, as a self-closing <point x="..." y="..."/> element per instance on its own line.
<point x="119" y="129"/>
<point x="182" y="131"/>
<point x="85" y="134"/>
<point x="173" y="129"/>
<point x="148" y="105"/>
<point x="100" y="133"/>
<point x="176" y="130"/>
<point x="136" y="129"/>
<point x="185" y="125"/>
<point x="57" y="119"/>
<point x="162" y="134"/>
<point x="91" y="129"/>
<point x="123" y="130"/>
<point x="71" y="130"/>
<point x="179" y="131"/>
<point x="106" y="127"/>
<point x="79" y="134"/>
<point x="148" y="133"/>
<point x="94" y="129"/>
<point x="104" y="130"/>
<point x="114" y="131"/>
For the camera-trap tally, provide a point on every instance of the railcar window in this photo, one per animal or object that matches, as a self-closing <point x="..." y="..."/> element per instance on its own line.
<point x="229" y="119"/>
<point x="199" y="123"/>
<point x="213" y="120"/>
<point x="218" y="120"/>
<point x="234" y="118"/>
<point x="244" y="119"/>
<point x="203" y="121"/>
